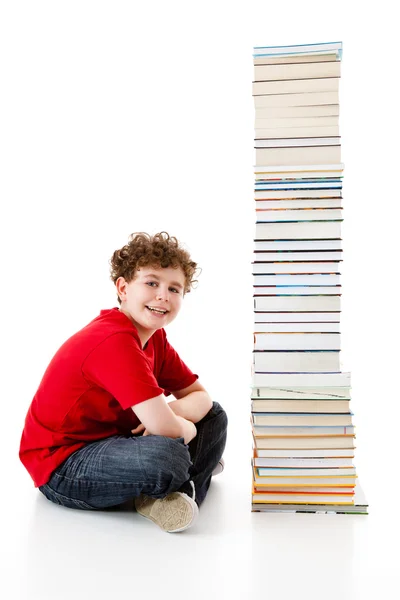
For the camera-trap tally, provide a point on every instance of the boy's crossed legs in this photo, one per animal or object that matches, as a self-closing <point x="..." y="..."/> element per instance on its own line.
<point x="148" y="468"/>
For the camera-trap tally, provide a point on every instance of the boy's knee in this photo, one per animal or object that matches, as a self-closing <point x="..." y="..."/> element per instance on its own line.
<point x="218" y="411"/>
<point x="168" y="466"/>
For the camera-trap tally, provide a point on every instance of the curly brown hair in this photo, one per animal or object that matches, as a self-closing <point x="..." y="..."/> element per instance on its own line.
<point x="159" y="250"/>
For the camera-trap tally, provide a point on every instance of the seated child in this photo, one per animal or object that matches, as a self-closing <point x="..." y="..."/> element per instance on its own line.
<point x="99" y="430"/>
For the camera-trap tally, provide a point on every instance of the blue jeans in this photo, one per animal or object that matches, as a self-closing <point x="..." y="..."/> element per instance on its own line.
<point x="116" y="469"/>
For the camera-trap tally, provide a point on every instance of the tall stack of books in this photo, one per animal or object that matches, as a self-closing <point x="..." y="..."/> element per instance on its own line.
<point x="302" y="423"/>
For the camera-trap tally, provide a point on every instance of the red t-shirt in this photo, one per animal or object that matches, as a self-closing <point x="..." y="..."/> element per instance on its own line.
<point x="89" y="387"/>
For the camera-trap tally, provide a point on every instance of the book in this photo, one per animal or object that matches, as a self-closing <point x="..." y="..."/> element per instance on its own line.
<point x="341" y="441"/>
<point x="294" y="303"/>
<point x="273" y="431"/>
<point x="296" y="290"/>
<point x="304" y="472"/>
<point x="302" y="462"/>
<point x="299" y="99"/>
<point x="298" y="171"/>
<point x="298" y="49"/>
<point x="333" y="202"/>
<point x="318" y="509"/>
<point x="287" y="279"/>
<point x="269" y="256"/>
<point x="299" y="406"/>
<point x="297" y="245"/>
<point x="303" y="419"/>
<point x="296" y="71"/>
<point x="264" y="133"/>
<point x="303" y="453"/>
<point x="296" y="317"/>
<point x="300" y="214"/>
<point x="298" y="267"/>
<point x="318" y="391"/>
<point x="294" y="58"/>
<point x="294" y="341"/>
<point x="307" y="155"/>
<point x="294" y="122"/>
<point x="286" y="142"/>
<point x="330" y="327"/>
<point x="302" y="380"/>
<point x="291" y="362"/>
<point x="294" y="184"/>
<point x="302" y="230"/>
<point x="305" y="498"/>
<point x="296" y="86"/>
<point x="328" y="480"/>
<point x="310" y="172"/>
<point x="300" y="194"/>
<point x="288" y="112"/>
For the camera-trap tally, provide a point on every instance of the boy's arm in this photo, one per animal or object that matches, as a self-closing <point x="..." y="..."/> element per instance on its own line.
<point x="192" y="403"/>
<point x="157" y="418"/>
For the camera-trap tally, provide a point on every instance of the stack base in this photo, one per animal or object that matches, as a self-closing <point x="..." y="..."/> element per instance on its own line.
<point x="360" y="506"/>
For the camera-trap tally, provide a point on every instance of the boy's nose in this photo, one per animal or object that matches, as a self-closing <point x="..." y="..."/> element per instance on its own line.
<point x="162" y="295"/>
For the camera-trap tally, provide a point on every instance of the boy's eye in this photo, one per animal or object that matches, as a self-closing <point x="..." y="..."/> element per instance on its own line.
<point x="155" y="283"/>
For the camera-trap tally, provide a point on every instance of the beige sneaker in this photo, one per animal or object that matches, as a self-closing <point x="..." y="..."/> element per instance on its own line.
<point x="176" y="512"/>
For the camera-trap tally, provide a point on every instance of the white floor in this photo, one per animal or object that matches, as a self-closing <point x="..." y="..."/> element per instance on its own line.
<point x="53" y="552"/>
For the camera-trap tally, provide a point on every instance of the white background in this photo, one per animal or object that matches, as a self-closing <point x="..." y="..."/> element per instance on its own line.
<point x="124" y="116"/>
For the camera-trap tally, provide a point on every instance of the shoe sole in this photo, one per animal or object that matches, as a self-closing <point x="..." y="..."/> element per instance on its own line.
<point x="174" y="513"/>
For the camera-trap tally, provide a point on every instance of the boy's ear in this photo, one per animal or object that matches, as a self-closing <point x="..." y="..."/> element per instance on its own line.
<point x="121" y="284"/>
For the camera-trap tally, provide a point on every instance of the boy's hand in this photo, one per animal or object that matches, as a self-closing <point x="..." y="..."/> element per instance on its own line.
<point x="139" y="429"/>
<point x="189" y="433"/>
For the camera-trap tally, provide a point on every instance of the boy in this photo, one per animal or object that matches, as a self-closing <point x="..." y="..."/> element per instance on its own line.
<point x="99" y="430"/>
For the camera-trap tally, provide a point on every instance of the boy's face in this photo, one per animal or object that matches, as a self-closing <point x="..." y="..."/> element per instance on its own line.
<point x="152" y="288"/>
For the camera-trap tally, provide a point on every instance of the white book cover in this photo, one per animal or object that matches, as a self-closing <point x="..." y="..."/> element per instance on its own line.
<point x="302" y="214"/>
<point x="318" y="391"/>
<point x="330" y="327"/>
<point x="298" y="405"/>
<point x="296" y="71"/>
<point x="297" y="245"/>
<point x="324" y="279"/>
<point x="300" y="170"/>
<point x="296" y="86"/>
<point x="302" y="380"/>
<point x="296" y="317"/>
<point x="302" y="454"/>
<point x="297" y="303"/>
<point x="290" y="267"/>
<point x="304" y="230"/>
<point x="298" y="290"/>
<point x="303" y="462"/>
<point x="299" y="99"/>
<point x="326" y="110"/>
<point x="295" y="257"/>
<point x="296" y="341"/>
<point x="291" y="156"/>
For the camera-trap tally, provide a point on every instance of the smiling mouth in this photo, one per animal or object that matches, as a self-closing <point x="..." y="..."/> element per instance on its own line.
<point x="157" y="311"/>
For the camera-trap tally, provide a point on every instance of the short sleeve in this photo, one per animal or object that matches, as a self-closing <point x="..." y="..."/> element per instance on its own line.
<point x="174" y="374"/>
<point x="119" y="366"/>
